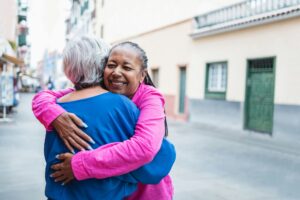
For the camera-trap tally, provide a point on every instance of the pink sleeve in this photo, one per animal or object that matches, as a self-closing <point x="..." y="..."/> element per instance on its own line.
<point x="44" y="106"/>
<point x="122" y="157"/>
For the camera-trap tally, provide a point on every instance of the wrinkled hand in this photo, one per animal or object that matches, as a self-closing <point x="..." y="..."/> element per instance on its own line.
<point x="63" y="171"/>
<point x="72" y="136"/>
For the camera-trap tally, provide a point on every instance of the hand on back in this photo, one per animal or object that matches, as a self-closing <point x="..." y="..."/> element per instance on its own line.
<point x="73" y="137"/>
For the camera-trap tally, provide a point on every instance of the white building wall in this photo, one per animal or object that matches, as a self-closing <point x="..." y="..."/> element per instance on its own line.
<point x="169" y="45"/>
<point x="122" y="19"/>
<point x="8" y="22"/>
<point x="168" y="49"/>
<point x="277" y="39"/>
<point x="172" y="46"/>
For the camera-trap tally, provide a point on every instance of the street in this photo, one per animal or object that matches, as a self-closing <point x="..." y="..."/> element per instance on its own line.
<point x="22" y="161"/>
<point x="212" y="163"/>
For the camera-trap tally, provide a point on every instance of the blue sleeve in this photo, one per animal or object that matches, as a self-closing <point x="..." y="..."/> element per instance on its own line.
<point x="159" y="167"/>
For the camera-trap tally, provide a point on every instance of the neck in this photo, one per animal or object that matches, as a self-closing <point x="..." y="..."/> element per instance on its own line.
<point x="83" y="93"/>
<point x="131" y="96"/>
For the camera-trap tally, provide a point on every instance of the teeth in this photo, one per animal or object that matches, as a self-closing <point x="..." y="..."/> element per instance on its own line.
<point x="117" y="83"/>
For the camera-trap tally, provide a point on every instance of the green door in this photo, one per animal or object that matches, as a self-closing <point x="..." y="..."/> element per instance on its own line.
<point x="260" y="95"/>
<point x="182" y="89"/>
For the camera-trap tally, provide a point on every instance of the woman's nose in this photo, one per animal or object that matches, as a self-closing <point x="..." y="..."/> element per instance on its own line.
<point x="117" y="71"/>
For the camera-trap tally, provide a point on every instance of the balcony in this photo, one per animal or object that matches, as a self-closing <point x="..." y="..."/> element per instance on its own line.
<point x="245" y="14"/>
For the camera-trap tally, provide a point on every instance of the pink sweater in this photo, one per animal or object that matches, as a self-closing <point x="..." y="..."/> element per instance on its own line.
<point x="120" y="157"/>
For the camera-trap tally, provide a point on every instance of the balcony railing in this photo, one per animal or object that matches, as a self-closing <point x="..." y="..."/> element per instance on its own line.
<point x="242" y="10"/>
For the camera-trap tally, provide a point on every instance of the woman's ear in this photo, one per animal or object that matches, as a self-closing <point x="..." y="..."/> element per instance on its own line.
<point x="144" y="74"/>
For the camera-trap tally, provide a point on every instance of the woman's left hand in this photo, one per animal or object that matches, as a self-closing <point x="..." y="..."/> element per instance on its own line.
<point x="63" y="171"/>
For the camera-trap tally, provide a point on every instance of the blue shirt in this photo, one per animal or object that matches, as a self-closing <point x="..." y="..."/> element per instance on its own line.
<point x="110" y="118"/>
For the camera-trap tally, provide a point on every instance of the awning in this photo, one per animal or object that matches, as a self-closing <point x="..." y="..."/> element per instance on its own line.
<point x="8" y="58"/>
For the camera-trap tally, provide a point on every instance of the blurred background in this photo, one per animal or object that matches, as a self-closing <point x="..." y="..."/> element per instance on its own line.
<point x="229" y="71"/>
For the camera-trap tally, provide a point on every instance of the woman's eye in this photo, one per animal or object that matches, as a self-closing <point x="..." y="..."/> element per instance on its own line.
<point x="111" y="66"/>
<point x="127" y="68"/>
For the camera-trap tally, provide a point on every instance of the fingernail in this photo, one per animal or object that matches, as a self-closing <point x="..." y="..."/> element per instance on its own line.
<point x="92" y="141"/>
<point x="51" y="175"/>
<point x="90" y="148"/>
<point x="84" y="125"/>
<point x="57" y="156"/>
<point x="73" y="152"/>
<point x="62" y="184"/>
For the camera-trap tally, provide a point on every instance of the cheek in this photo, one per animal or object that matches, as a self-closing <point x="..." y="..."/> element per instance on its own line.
<point x="106" y="73"/>
<point x="134" y="83"/>
<point x="105" y="79"/>
<point x="104" y="76"/>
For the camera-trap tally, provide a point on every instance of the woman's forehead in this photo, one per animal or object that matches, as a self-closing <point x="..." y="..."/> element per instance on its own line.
<point x="125" y="51"/>
<point x="125" y="47"/>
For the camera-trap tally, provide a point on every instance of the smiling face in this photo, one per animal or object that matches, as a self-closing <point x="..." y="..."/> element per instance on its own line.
<point x="123" y="72"/>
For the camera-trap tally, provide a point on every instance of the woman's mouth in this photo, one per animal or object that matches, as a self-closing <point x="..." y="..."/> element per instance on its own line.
<point x="117" y="84"/>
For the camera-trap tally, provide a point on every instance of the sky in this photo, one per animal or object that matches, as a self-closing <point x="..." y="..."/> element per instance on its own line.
<point x="46" y="27"/>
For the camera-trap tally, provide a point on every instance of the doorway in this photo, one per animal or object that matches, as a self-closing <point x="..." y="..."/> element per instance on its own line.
<point x="182" y="89"/>
<point x="260" y="95"/>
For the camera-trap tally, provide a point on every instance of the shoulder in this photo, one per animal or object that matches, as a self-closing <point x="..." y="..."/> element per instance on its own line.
<point x="123" y="104"/>
<point x="150" y="89"/>
<point x="147" y="94"/>
<point x="121" y="99"/>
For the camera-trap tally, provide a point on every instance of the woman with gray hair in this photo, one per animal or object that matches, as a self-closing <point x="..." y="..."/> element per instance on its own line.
<point x="83" y="60"/>
<point x="111" y="118"/>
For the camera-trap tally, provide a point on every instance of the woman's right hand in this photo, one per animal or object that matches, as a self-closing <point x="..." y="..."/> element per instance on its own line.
<point x="66" y="125"/>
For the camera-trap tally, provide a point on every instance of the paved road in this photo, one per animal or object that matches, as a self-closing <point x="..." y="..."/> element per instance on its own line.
<point x="218" y="164"/>
<point x="212" y="163"/>
<point x="21" y="155"/>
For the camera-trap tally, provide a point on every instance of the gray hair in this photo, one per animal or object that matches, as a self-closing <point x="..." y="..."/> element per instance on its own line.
<point x="83" y="60"/>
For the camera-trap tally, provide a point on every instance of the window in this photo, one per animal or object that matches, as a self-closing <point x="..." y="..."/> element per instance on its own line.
<point x="216" y="80"/>
<point x="155" y="74"/>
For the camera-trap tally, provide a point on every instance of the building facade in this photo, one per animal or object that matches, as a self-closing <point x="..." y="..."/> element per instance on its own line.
<point x="23" y="46"/>
<point x="249" y="62"/>
<point x="81" y="18"/>
<point x="115" y="23"/>
<point x="233" y="65"/>
<point x="10" y="59"/>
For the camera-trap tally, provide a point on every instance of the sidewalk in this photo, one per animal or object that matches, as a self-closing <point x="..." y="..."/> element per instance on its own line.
<point x="262" y="140"/>
<point x="21" y="153"/>
<point x="221" y="164"/>
<point x="212" y="163"/>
